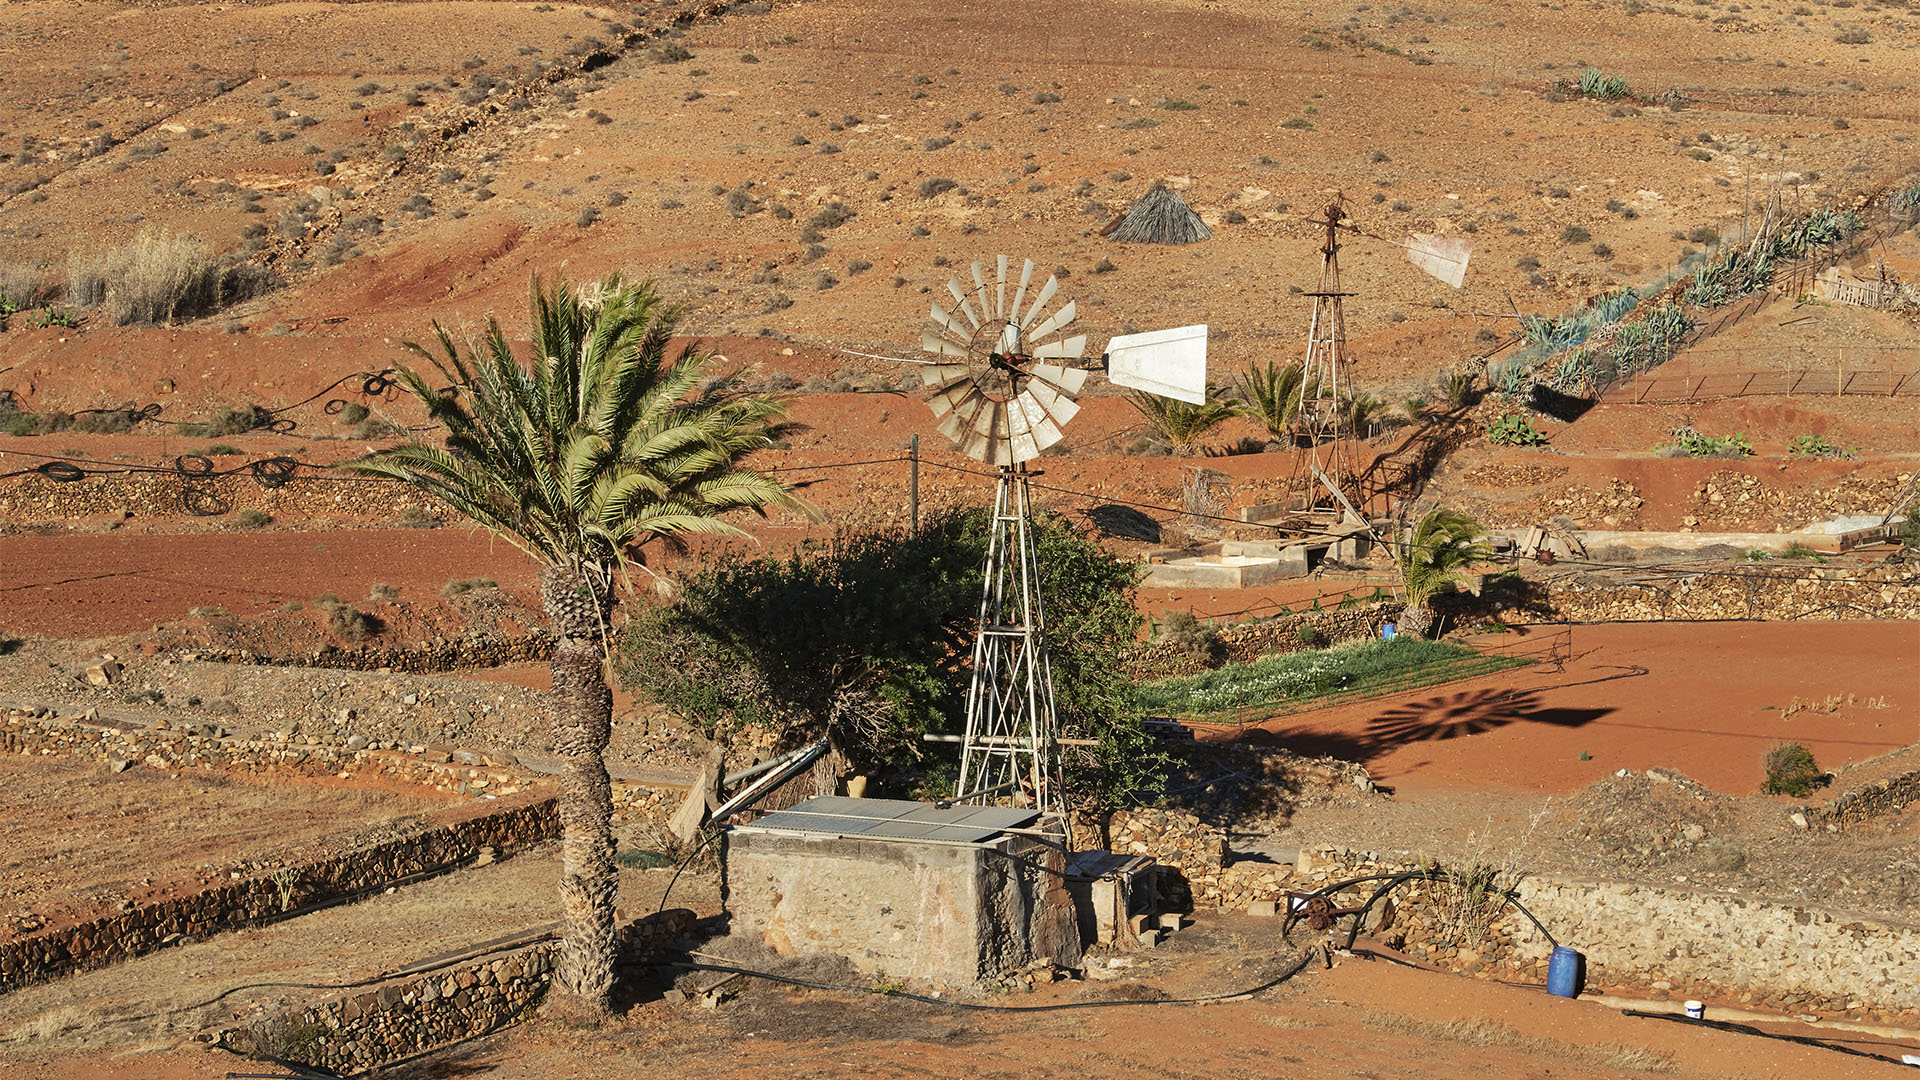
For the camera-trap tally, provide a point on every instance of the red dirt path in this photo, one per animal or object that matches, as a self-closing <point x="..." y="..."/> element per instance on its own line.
<point x="1703" y="698"/>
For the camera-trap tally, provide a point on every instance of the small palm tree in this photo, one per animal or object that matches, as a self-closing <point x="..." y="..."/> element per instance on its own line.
<point x="1441" y="546"/>
<point x="1269" y="394"/>
<point x="1359" y="413"/>
<point x="596" y="445"/>
<point x="1182" y="424"/>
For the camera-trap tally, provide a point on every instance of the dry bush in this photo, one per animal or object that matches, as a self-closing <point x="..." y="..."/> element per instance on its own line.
<point x="160" y="277"/>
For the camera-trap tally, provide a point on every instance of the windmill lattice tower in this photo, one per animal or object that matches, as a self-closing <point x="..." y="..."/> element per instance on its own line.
<point x="1326" y="382"/>
<point x="1003" y="392"/>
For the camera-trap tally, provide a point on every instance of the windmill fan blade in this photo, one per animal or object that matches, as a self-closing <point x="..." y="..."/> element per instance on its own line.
<point x="1054" y="322"/>
<point x="1026" y="275"/>
<point x="1058" y="406"/>
<point x="1442" y="257"/>
<point x="1044" y="431"/>
<point x="980" y="292"/>
<point x="960" y="298"/>
<point x="945" y="318"/>
<point x="1000" y="281"/>
<point x="1046" y="294"/>
<point x="1067" y="380"/>
<point x="949" y="398"/>
<point x="940" y="346"/>
<point x="941" y="376"/>
<point x="1065" y="349"/>
<point x="961" y="420"/>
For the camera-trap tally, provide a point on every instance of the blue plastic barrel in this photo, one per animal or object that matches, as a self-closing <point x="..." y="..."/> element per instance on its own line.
<point x="1563" y="972"/>
<point x="1387" y="631"/>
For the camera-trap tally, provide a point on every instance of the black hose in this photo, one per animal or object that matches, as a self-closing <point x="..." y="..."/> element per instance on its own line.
<point x="710" y="837"/>
<point x="1298" y="965"/>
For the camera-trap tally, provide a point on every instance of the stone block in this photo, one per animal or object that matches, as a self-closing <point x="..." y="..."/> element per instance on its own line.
<point x="1265" y="909"/>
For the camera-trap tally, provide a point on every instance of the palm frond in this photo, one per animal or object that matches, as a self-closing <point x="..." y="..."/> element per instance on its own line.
<point x="597" y="442"/>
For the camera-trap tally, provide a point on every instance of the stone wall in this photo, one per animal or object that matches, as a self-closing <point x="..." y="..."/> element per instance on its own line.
<point x="1648" y="940"/>
<point x="1761" y="592"/>
<point x="441" y="654"/>
<point x="228" y="906"/>
<point x="461" y="773"/>
<point x="1245" y="642"/>
<point x="450" y="771"/>
<point x="34" y="500"/>
<point x="365" y="1030"/>
<point x="1881" y="798"/>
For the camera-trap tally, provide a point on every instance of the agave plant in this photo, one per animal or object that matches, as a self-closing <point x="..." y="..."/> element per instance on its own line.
<point x="1455" y="387"/>
<point x="1270" y="395"/>
<point x="1182" y="425"/>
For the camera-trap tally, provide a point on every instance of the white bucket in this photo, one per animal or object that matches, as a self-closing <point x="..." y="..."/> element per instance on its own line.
<point x="1696" y="1010"/>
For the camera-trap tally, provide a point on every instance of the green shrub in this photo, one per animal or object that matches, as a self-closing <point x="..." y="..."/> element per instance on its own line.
<point x="642" y="860"/>
<point x="1691" y="443"/>
<point x="1309" y="636"/>
<point x="1791" y="770"/>
<point x="1817" y="447"/>
<point x="1514" y="429"/>
<point x="252" y="519"/>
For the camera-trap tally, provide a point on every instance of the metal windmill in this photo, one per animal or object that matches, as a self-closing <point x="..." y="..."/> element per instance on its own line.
<point x="1324" y="471"/>
<point x="1003" y="387"/>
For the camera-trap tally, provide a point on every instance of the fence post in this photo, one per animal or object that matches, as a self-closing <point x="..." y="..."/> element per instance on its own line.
<point x="913" y="484"/>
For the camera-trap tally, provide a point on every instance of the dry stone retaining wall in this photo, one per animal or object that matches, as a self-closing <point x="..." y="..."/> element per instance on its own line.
<point x="353" y="1033"/>
<point x="442" y="654"/>
<point x="1881" y="798"/>
<point x="1805" y="592"/>
<point x="1637" y="939"/>
<point x="101" y="941"/>
<point x="1644" y="939"/>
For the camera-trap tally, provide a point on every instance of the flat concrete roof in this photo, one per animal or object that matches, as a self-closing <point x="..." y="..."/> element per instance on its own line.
<point x="893" y="819"/>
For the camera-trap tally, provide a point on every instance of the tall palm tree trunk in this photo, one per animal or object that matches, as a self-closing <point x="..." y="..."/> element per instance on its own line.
<point x="582" y="707"/>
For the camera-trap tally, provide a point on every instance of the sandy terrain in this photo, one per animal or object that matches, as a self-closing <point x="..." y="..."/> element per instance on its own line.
<point x="395" y="163"/>
<point x="78" y="840"/>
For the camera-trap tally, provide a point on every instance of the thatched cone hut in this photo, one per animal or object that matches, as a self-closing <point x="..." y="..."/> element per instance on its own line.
<point x="1160" y="216"/>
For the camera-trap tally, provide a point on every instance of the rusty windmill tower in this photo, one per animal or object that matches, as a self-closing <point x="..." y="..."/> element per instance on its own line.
<point x="1323" y="485"/>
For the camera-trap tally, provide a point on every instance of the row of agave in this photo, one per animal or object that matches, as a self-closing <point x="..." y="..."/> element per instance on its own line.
<point x="1558" y="350"/>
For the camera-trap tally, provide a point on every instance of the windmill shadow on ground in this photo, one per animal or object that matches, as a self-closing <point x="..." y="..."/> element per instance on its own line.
<point x="1446" y="716"/>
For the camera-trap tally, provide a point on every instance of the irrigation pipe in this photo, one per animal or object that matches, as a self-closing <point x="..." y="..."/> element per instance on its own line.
<point x="1299" y="964"/>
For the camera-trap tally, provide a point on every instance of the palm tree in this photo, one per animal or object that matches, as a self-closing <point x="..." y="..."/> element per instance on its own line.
<point x="1180" y="423"/>
<point x="1432" y="559"/>
<point x="1270" y="395"/>
<point x="596" y="445"/>
<point x="1359" y="413"/>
